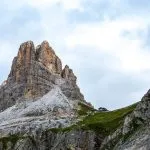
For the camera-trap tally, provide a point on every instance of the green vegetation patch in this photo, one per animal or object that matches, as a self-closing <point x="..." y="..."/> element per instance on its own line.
<point x="84" y="109"/>
<point x="100" y="122"/>
<point x="12" y="138"/>
<point x="67" y="129"/>
<point x="106" y="122"/>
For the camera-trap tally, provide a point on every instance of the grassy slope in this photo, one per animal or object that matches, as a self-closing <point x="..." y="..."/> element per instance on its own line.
<point x="84" y="109"/>
<point x="101" y="122"/>
<point x="106" y="122"/>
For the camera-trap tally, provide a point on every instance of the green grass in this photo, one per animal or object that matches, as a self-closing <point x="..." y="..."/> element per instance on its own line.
<point x="84" y="109"/>
<point x="106" y="122"/>
<point x="12" y="138"/>
<point x="62" y="130"/>
<point x="100" y="122"/>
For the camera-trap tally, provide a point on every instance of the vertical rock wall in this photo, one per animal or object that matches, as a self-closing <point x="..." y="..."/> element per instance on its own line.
<point x="33" y="74"/>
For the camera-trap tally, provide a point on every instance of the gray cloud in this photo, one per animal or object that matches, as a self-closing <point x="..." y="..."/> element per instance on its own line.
<point x="100" y="82"/>
<point x="15" y="23"/>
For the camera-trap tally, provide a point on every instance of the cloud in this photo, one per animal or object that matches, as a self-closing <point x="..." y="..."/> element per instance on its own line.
<point x="5" y="56"/>
<point x="12" y="27"/>
<point x="100" y="83"/>
<point x="67" y="4"/>
<point x="118" y="38"/>
<point x="105" y="42"/>
<point x="44" y="4"/>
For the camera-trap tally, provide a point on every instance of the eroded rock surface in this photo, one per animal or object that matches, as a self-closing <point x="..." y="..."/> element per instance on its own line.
<point x="72" y="140"/>
<point x="33" y="74"/>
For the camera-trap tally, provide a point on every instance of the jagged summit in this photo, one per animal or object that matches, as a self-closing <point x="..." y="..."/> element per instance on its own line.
<point x="27" y="55"/>
<point x="34" y="72"/>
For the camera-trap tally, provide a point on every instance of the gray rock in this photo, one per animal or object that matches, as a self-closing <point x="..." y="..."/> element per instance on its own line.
<point x="71" y="140"/>
<point x="33" y="74"/>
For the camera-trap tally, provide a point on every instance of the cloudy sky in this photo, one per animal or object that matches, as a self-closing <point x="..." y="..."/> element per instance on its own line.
<point x="105" y="42"/>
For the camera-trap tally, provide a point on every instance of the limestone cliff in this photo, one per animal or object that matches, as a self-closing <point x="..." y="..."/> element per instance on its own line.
<point x="33" y="74"/>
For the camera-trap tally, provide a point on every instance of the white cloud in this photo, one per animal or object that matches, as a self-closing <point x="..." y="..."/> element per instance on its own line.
<point x="108" y="36"/>
<point x="6" y="53"/>
<point x="43" y="4"/>
<point x="67" y="4"/>
<point x="118" y="38"/>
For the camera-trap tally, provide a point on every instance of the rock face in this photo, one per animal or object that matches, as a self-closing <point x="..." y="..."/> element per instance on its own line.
<point x="134" y="134"/>
<point x="72" y="140"/>
<point x="46" y="55"/>
<point x="137" y="125"/>
<point x="33" y="74"/>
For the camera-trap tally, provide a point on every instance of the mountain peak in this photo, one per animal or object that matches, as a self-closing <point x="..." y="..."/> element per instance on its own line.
<point x="46" y="55"/>
<point x="34" y="72"/>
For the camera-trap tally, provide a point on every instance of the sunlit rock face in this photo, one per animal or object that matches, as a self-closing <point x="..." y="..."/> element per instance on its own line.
<point x="22" y="63"/>
<point x="34" y="72"/>
<point x="46" y="55"/>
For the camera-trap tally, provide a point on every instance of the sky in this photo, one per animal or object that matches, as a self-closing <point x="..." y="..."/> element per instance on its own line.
<point x="105" y="42"/>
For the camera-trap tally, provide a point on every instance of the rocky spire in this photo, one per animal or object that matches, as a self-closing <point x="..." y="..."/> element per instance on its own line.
<point x="67" y="73"/>
<point x="27" y="56"/>
<point x="46" y="55"/>
<point x="21" y="64"/>
<point x="35" y="72"/>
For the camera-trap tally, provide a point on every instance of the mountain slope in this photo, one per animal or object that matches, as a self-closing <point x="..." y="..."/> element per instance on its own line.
<point x="52" y="110"/>
<point x="92" y="129"/>
<point x="38" y="93"/>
